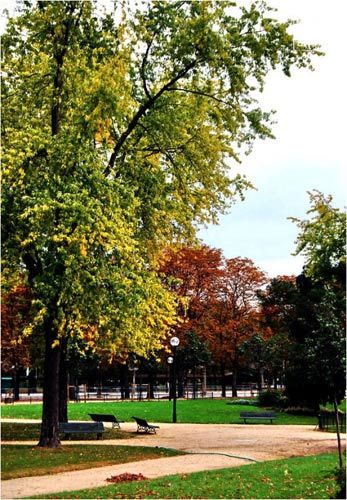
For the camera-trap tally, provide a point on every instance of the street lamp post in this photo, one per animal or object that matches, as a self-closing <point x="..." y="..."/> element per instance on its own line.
<point x="174" y="341"/>
<point x="134" y="370"/>
<point x="99" y="391"/>
<point x="170" y="362"/>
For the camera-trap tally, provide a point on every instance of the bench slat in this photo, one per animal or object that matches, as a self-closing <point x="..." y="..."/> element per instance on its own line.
<point x="100" y="417"/>
<point x="258" y="415"/>
<point x="143" y="425"/>
<point x="82" y="428"/>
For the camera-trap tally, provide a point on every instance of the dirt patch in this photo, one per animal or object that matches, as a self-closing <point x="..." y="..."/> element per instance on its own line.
<point x="255" y="441"/>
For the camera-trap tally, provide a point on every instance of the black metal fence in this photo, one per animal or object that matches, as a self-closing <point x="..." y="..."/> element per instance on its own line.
<point x="327" y="421"/>
<point x="139" y="392"/>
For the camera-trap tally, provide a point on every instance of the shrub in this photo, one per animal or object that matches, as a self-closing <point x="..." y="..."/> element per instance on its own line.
<point x="241" y="402"/>
<point x="272" y="397"/>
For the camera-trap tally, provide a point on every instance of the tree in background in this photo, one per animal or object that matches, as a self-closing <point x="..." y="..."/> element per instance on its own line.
<point x="278" y="315"/>
<point x="191" y="355"/>
<point x="267" y="353"/>
<point x="15" y="349"/>
<point x="192" y="274"/>
<point x="310" y="310"/>
<point x="220" y="296"/>
<point x="117" y="132"/>
<point x="233" y="316"/>
<point x="322" y="239"/>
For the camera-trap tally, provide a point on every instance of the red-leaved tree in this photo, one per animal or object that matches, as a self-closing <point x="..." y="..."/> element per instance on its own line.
<point x="15" y="310"/>
<point x="221" y="297"/>
<point x="233" y="315"/>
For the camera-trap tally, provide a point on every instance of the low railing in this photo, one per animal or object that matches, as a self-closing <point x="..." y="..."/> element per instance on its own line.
<point x="327" y="421"/>
<point x="138" y="393"/>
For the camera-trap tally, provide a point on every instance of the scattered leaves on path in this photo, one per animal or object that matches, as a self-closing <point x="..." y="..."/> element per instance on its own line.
<point x="121" y="478"/>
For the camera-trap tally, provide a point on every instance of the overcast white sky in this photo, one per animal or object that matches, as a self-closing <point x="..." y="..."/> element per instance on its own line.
<point x="309" y="150"/>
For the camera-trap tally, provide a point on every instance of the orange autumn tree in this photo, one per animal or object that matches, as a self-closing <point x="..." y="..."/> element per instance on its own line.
<point x="192" y="273"/>
<point x="221" y="297"/>
<point x="234" y="315"/>
<point x="15" y="310"/>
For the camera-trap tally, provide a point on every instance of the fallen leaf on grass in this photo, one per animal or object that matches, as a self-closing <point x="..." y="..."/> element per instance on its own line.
<point x="121" y="478"/>
<point x="145" y="494"/>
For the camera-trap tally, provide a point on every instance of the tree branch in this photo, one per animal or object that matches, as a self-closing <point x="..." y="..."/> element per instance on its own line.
<point x="143" y="67"/>
<point x="142" y="111"/>
<point x="199" y="92"/>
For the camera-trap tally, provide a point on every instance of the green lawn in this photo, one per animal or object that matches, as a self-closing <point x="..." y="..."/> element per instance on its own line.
<point x="27" y="432"/>
<point x="209" y="411"/>
<point x="301" y="477"/>
<point x="22" y="460"/>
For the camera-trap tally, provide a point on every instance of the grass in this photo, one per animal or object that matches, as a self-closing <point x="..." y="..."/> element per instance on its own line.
<point x="208" y="411"/>
<point x="300" y="477"/>
<point x="24" y="460"/>
<point x="27" y="432"/>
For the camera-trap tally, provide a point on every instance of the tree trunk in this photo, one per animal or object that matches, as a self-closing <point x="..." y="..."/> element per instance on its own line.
<point x="234" y="383"/>
<point x="50" y="408"/>
<point x="15" y="384"/>
<point x="261" y="378"/>
<point x="63" y="382"/>
<point x="338" y="431"/>
<point x="124" y="382"/>
<point x="151" y="383"/>
<point x="204" y="382"/>
<point x="180" y="385"/>
<point x="151" y="389"/>
<point x="32" y="381"/>
<point x="222" y="374"/>
<point x="194" y="383"/>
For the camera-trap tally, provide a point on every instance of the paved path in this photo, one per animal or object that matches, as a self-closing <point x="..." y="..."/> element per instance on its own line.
<point x="219" y="446"/>
<point x="91" y="478"/>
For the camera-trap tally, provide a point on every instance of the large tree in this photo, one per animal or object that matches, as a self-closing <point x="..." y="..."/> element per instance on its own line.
<point x="322" y="240"/>
<point x="310" y="310"/>
<point x="219" y="298"/>
<point x="192" y="274"/>
<point x="117" y="131"/>
<point x="233" y="317"/>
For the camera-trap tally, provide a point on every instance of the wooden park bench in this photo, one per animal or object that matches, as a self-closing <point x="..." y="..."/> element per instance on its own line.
<point x="69" y="428"/>
<point x="143" y="425"/>
<point x="266" y="415"/>
<point x="100" y="417"/>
